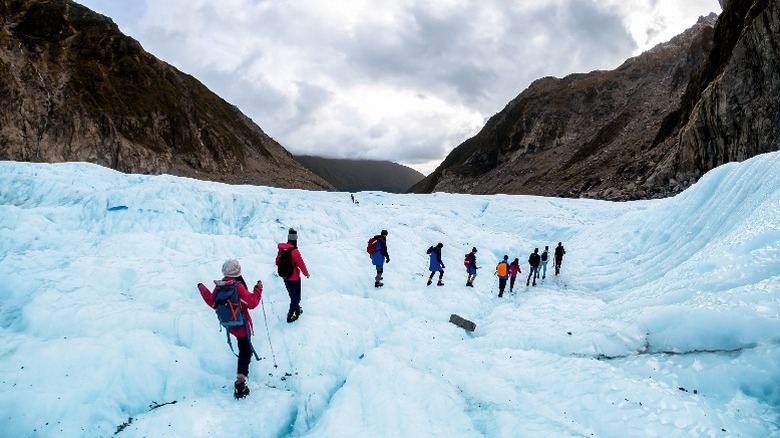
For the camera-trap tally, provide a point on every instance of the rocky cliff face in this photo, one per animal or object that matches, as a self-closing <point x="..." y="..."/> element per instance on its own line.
<point x="735" y="104"/>
<point x="647" y="129"/>
<point x="73" y="88"/>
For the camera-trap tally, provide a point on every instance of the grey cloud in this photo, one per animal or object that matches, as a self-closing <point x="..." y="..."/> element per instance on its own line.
<point x="448" y="55"/>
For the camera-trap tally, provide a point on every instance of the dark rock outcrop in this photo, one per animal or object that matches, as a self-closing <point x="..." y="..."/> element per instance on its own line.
<point x="74" y="88"/>
<point x="647" y="129"/>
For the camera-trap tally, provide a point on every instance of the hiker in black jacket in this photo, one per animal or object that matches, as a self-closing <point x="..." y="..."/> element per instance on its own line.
<point x="534" y="261"/>
<point x="559" y="252"/>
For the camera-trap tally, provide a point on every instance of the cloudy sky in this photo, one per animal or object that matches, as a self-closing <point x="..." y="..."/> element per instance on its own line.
<point x="405" y="80"/>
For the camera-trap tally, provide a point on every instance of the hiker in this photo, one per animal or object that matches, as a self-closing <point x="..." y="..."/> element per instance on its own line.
<point x="471" y="266"/>
<point x="514" y="269"/>
<point x="379" y="256"/>
<point x="436" y="264"/>
<point x="290" y="265"/>
<point x="543" y="262"/>
<point x="559" y="252"/>
<point x="502" y="271"/>
<point x="233" y="282"/>
<point x="534" y="261"/>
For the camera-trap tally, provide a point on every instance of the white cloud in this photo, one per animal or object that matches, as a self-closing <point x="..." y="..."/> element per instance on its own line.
<point x="405" y="81"/>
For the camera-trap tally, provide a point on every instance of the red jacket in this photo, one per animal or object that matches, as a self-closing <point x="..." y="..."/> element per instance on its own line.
<point x="298" y="265"/>
<point x="248" y="301"/>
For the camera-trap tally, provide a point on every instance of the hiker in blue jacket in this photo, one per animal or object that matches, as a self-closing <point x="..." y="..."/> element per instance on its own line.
<point x="380" y="257"/>
<point x="436" y="264"/>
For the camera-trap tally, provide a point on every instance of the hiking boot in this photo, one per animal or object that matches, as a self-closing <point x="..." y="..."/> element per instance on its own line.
<point x="292" y="317"/>
<point x="500" y="294"/>
<point x="429" y="282"/>
<point x="378" y="284"/>
<point x="299" y="311"/>
<point x="440" y="284"/>
<point x="241" y="390"/>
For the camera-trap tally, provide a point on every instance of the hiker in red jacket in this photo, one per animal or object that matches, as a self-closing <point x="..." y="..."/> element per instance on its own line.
<point x="231" y="270"/>
<point x="288" y="254"/>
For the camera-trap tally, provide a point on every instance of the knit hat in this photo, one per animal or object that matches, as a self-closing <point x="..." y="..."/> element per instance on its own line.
<point x="231" y="268"/>
<point x="292" y="234"/>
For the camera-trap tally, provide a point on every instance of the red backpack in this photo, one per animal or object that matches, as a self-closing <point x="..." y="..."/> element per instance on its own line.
<point x="467" y="260"/>
<point x="371" y="247"/>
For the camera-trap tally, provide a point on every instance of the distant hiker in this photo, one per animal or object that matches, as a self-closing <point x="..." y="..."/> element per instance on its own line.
<point x="559" y="252"/>
<point x="436" y="264"/>
<point x="232" y="301"/>
<point x="514" y="269"/>
<point x="470" y="262"/>
<point x="543" y="262"/>
<point x="377" y="249"/>
<point x="533" y="261"/>
<point x="290" y="265"/>
<point x="353" y="197"/>
<point x="502" y="271"/>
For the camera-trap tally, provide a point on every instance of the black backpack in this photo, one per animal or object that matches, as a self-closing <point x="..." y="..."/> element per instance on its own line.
<point x="544" y="256"/>
<point x="285" y="266"/>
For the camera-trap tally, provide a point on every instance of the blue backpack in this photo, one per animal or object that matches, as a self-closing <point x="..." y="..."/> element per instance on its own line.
<point x="228" y="307"/>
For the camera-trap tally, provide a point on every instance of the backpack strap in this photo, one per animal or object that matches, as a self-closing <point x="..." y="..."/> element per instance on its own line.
<point x="248" y="338"/>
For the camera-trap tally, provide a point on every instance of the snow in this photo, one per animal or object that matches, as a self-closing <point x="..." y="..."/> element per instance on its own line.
<point x="664" y="321"/>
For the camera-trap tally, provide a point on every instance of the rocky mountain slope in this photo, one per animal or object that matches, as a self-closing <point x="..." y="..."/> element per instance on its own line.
<point x="362" y="175"/>
<point x="646" y="129"/>
<point x="74" y="88"/>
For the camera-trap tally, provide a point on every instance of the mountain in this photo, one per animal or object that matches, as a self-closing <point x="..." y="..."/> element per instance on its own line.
<point x="74" y="88"/>
<point x="647" y="129"/>
<point x="362" y="175"/>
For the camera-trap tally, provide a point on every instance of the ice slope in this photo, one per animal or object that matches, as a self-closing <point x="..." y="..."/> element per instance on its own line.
<point x="664" y="320"/>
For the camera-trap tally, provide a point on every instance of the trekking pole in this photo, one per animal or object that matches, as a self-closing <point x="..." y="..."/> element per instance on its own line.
<point x="265" y="318"/>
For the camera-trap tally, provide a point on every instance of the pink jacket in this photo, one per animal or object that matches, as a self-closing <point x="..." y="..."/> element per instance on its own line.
<point x="248" y="301"/>
<point x="298" y="265"/>
<point x="514" y="270"/>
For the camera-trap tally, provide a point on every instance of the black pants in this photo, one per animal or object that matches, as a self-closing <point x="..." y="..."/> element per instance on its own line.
<point x="244" y="355"/>
<point x="294" y="291"/>
<point x="441" y="275"/>
<point x="501" y="285"/>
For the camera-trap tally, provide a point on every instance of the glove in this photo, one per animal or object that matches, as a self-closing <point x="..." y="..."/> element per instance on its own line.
<point x="387" y="260"/>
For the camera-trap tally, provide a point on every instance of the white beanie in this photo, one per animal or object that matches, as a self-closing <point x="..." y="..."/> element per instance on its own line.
<point x="231" y="268"/>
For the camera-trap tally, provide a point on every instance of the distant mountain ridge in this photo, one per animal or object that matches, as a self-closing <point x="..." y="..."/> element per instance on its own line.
<point x="647" y="129"/>
<point x="362" y="175"/>
<point x="74" y="88"/>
